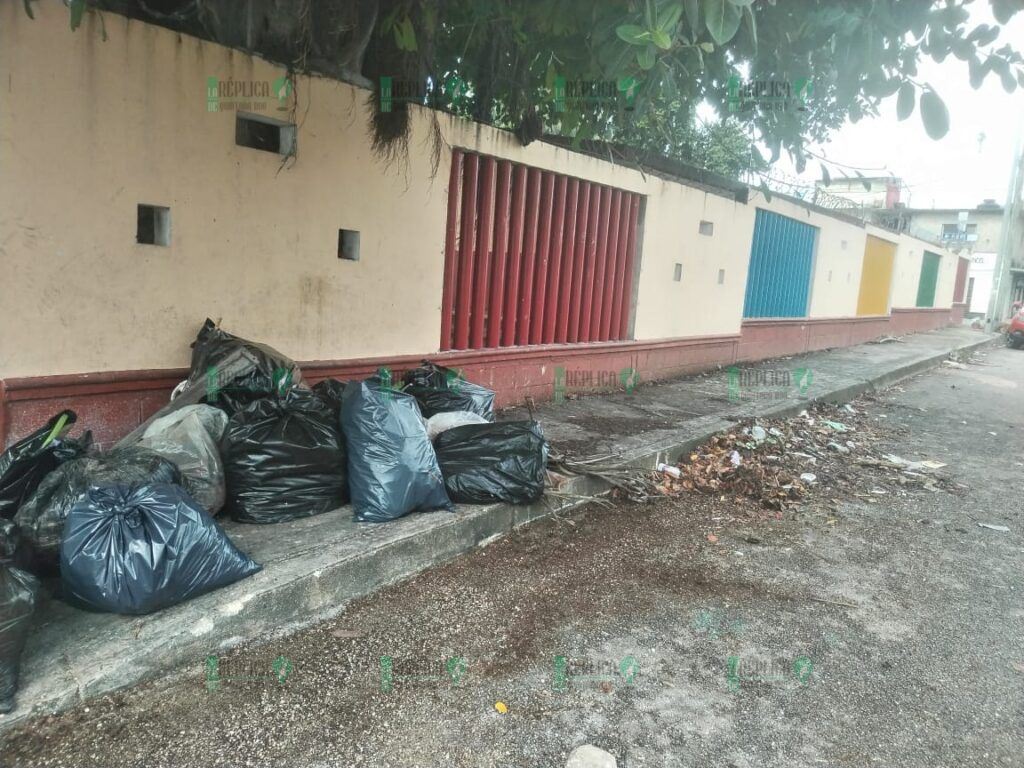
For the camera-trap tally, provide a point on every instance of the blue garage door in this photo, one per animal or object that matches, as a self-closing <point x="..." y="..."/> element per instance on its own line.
<point x="781" y="259"/>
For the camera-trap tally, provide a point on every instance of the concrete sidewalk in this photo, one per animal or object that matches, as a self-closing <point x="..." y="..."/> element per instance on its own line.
<point x="314" y="567"/>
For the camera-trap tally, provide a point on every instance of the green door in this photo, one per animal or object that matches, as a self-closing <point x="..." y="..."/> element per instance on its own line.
<point x="929" y="277"/>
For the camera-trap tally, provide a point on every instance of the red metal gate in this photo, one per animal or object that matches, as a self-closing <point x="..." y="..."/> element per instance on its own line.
<point x="534" y="257"/>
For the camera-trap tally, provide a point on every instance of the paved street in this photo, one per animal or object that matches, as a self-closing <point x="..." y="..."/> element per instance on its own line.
<point x="876" y="625"/>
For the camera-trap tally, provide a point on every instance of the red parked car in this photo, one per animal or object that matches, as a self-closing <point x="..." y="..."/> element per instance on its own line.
<point x="1015" y="330"/>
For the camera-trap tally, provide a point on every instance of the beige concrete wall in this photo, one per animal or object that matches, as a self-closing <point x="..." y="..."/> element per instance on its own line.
<point x="907" y="273"/>
<point x="697" y="305"/>
<point x="946" y="282"/>
<point x="89" y="129"/>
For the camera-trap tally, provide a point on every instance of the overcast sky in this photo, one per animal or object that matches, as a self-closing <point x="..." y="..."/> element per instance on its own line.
<point x="959" y="171"/>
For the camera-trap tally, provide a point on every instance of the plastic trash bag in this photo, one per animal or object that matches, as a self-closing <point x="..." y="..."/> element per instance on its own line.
<point x="485" y="463"/>
<point x="227" y="372"/>
<point x="41" y="518"/>
<point x="392" y="468"/>
<point x="284" y="458"/>
<point x="438" y="389"/>
<point x="18" y="594"/>
<point x="189" y="438"/>
<point x="139" y="548"/>
<point x="331" y="391"/>
<point x="441" y="422"/>
<point x="24" y="465"/>
<point x="235" y="371"/>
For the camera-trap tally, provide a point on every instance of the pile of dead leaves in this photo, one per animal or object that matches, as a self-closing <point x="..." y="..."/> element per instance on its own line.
<point x="775" y="462"/>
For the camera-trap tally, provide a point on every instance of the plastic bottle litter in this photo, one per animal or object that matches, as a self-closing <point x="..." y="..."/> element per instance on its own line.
<point x="758" y="434"/>
<point x="809" y="477"/>
<point x="667" y="469"/>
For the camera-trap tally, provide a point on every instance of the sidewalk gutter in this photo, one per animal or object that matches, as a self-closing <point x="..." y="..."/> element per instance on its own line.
<point x="314" y="568"/>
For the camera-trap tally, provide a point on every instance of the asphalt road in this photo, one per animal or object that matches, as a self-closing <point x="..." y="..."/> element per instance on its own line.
<point x="878" y="624"/>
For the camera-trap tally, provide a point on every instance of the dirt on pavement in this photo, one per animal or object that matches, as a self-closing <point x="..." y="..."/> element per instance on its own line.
<point x="855" y="628"/>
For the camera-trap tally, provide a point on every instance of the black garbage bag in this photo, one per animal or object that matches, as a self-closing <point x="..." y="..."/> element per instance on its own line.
<point x="485" y="463"/>
<point x="18" y="594"/>
<point x="438" y="389"/>
<point x="189" y="437"/>
<point x="139" y="548"/>
<point x="392" y="468"/>
<point x="236" y="372"/>
<point x="284" y="458"/>
<point x="41" y="518"/>
<point x="24" y="465"/>
<point x="331" y="391"/>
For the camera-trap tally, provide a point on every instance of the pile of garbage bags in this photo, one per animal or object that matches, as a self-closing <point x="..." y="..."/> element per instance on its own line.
<point x="132" y="529"/>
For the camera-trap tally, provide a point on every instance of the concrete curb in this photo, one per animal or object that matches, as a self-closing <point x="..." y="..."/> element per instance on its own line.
<point x="306" y="586"/>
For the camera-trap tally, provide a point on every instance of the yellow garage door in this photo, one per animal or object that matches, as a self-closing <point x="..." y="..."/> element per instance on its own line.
<point x="876" y="277"/>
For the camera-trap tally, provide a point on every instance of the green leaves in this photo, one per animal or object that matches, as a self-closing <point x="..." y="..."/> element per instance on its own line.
<point x="934" y="115"/>
<point x="668" y="17"/>
<point x="692" y="10"/>
<point x="1004" y="10"/>
<point x="826" y="178"/>
<point x="661" y="39"/>
<point x="646" y="58"/>
<point x="751" y="24"/>
<point x="905" y="101"/>
<point x="633" y="34"/>
<point x="28" y="9"/>
<point x="722" y="18"/>
<point x="77" y="10"/>
<point x="983" y="34"/>
<point x="405" y="35"/>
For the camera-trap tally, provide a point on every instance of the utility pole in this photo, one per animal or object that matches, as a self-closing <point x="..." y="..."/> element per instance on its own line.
<point x="997" y="302"/>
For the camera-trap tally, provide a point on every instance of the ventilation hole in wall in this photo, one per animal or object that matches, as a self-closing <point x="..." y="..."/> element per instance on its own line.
<point x="153" y="225"/>
<point x="721" y="277"/>
<point x="830" y="275"/>
<point x="348" y="244"/>
<point x="264" y="133"/>
<point x="842" y="245"/>
<point x="677" y="275"/>
<point x="706" y="228"/>
<point x="848" y="276"/>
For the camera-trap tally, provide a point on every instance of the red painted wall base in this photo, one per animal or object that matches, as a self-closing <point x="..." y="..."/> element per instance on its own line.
<point x="114" y="403"/>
